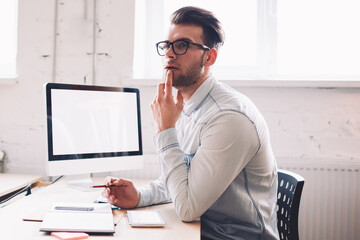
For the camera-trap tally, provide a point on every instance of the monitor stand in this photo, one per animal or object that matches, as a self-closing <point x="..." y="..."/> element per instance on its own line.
<point x="82" y="182"/>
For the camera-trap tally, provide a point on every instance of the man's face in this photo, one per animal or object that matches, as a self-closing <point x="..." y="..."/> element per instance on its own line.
<point x="187" y="68"/>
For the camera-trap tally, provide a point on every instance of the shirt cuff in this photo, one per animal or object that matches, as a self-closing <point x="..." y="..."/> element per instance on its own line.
<point x="145" y="197"/>
<point x="166" y="139"/>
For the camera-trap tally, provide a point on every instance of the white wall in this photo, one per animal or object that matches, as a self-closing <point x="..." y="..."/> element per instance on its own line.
<point x="56" y="44"/>
<point x="306" y="124"/>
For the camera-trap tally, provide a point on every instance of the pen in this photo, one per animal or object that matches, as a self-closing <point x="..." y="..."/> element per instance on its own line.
<point x="74" y="208"/>
<point x="101" y="186"/>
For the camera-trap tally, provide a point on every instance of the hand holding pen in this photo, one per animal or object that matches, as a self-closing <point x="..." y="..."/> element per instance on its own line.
<point x="120" y="192"/>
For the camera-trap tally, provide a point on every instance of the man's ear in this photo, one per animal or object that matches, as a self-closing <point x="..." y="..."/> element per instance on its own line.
<point x="210" y="57"/>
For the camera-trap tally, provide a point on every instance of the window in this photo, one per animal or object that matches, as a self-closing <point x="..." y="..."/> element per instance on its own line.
<point x="8" y="38"/>
<point x="264" y="39"/>
<point x="319" y="39"/>
<point x="242" y="42"/>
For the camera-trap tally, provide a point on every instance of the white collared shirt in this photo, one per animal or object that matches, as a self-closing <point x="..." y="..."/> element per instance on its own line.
<point x="217" y="164"/>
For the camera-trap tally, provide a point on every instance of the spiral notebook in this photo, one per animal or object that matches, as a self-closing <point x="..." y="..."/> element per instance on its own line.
<point x="79" y="217"/>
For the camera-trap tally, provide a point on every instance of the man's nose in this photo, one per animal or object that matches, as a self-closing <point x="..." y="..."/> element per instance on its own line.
<point x="170" y="53"/>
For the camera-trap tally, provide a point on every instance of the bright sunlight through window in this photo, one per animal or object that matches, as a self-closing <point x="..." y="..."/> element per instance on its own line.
<point x="8" y="38"/>
<point x="264" y="39"/>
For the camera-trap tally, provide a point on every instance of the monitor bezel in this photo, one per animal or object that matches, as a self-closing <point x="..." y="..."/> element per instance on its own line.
<point x="62" y="157"/>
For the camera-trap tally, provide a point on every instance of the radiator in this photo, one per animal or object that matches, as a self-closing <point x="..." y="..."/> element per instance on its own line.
<point x="330" y="201"/>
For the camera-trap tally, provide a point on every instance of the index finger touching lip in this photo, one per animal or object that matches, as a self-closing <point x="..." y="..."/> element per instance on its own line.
<point x="168" y="82"/>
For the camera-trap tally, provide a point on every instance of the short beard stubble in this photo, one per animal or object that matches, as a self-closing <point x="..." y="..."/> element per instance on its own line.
<point x="190" y="77"/>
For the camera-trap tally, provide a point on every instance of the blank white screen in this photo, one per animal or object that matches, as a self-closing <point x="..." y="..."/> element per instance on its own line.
<point x="94" y="122"/>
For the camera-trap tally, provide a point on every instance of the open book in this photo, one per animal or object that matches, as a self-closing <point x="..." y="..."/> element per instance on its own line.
<point x="79" y="217"/>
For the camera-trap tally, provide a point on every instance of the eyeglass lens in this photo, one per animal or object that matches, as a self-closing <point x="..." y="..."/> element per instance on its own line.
<point x="179" y="47"/>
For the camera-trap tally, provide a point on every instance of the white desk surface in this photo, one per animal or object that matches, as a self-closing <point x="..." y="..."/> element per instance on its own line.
<point x="11" y="182"/>
<point x="13" y="227"/>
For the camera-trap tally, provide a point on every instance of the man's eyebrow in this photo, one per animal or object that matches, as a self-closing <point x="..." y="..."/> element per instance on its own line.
<point x="183" y="39"/>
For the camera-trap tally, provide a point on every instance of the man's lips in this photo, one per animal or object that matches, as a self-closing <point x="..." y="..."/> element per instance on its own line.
<point x="171" y="67"/>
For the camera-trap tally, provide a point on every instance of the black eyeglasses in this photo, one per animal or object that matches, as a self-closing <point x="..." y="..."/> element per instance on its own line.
<point x="179" y="47"/>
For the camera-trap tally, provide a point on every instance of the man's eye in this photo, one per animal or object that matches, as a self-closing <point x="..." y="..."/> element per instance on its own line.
<point x="180" y="45"/>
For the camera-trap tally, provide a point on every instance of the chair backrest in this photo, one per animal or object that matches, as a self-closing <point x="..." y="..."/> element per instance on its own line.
<point x="290" y="187"/>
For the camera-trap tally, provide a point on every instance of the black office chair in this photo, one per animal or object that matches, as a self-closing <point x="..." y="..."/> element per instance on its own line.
<point x="290" y="187"/>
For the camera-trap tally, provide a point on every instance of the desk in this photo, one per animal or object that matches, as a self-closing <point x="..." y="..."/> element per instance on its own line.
<point x="13" y="227"/>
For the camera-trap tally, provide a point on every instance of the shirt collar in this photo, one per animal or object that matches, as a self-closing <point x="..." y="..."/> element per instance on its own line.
<point x="199" y="95"/>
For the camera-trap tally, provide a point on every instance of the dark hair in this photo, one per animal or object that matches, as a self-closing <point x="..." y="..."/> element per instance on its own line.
<point x="212" y="29"/>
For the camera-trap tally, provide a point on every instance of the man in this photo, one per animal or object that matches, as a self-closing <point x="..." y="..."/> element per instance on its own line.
<point x="213" y="144"/>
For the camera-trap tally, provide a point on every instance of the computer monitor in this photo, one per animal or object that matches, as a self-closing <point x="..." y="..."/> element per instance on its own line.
<point x="91" y="129"/>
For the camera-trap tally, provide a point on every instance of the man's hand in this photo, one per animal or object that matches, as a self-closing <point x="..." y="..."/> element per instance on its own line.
<point x="165" y="111"/>
<point x="121" y="193"/>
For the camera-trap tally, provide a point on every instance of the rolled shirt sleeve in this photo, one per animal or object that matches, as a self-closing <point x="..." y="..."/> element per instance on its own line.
<point x="153" y="193"/>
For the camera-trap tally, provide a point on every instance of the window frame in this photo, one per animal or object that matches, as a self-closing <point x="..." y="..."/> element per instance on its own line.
<point x="10" y="79"/>
<point x="264" y="73"/>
